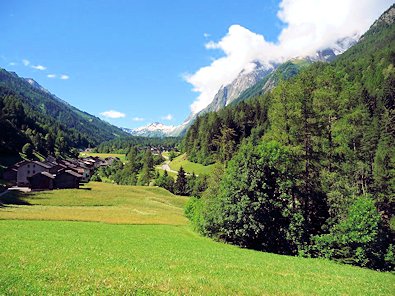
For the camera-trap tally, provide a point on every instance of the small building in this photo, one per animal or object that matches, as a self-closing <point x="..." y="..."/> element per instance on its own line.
<point x="56" y="167"/>
<point x="67" y="179"/>
<point x="28" y="169"/>
<point x="42" y="180"/>
<point x="10" y="174"/>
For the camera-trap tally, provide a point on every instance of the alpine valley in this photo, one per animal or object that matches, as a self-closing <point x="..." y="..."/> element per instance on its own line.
<point x="282" y="184"/>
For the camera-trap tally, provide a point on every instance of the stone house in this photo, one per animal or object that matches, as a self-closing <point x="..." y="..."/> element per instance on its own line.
<point x="28" y="169"/>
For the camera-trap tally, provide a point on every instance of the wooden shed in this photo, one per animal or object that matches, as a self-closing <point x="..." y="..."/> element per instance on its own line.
<point x="42" y="180"/>
<point x="67" y="179"/>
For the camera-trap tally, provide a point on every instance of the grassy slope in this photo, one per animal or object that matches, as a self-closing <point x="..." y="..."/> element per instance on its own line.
<point x="103" y="203"/>
<point x="122" y="157"/>
<point x="190" y="167"/>
<point x="159" y="169"/>
<point x="64" y="257"/>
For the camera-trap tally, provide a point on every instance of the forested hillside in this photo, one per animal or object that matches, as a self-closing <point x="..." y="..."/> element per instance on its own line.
<point x="310" y="167"/>
<point x="123" y="145"/>
<point x="32" y="115"/>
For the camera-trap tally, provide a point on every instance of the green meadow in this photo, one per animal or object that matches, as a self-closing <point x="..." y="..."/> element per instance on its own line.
<point x="122" y="157"/>
<point x="190" y="167"/>
<point x="110" y="240"/>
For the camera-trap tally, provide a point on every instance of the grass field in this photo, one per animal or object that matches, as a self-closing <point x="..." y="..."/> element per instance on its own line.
<point x="134" y="255"/>
<point x="99" y="202"/>
<point x="190" y="167"/>
<point x="122" y="157"/>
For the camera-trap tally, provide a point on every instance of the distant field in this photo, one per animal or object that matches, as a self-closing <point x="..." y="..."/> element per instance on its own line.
<point x="102" y="203"/>
<point x="85" y="258"/>
<point x="190" y="167"/>
<point x="122" y="157"/>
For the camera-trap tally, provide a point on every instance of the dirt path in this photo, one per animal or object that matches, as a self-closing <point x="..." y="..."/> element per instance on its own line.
<point x="165" y="166"/>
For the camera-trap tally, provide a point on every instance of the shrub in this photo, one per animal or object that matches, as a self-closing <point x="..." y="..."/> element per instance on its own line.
<point x="359" y="239"/>
<point x="193" y="211"/>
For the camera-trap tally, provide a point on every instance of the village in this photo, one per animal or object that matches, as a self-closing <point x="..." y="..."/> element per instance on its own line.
<point x="53" y="173"/>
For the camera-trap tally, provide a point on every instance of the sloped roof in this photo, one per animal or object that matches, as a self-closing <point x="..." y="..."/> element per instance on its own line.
<point x="47" y="175"/>
<point x="73" y="173"/>
<point x="44" y="165"/>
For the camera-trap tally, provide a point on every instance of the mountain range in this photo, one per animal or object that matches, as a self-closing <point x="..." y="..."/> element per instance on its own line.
<point x="255" y="79"/>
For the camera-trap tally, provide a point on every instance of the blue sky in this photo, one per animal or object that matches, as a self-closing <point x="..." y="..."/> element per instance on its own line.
<point x="128" y="56"/>
<point x="142" y="59"/>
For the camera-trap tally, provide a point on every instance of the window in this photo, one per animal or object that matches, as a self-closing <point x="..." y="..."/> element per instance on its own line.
<point x="28" y="172"/>
<point x="34" y="171"/>
<point x="28" y="165"/>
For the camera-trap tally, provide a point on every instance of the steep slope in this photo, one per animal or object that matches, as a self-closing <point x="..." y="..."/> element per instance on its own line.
<point x="284" y="71"/>
<point x="366" y="71"/>
<point x="321" y="144"/>
<point x="34" y="115"/>
<point x="260" y="79"/>
<point x="246" y="78"/>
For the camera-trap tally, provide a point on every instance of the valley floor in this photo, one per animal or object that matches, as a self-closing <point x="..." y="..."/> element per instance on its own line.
<point x="137" y="241"/>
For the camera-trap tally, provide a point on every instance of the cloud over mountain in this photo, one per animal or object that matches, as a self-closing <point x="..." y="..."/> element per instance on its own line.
<point x="310" y="25"/>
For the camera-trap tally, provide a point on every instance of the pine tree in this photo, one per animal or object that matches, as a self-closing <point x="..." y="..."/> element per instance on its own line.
<point x="180" y="186"/>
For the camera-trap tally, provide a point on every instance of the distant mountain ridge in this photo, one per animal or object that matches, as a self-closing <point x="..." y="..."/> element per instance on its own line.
<point x="254" y="80"/>
<point x="153" y="130"/>
<point x="31" y="114"/>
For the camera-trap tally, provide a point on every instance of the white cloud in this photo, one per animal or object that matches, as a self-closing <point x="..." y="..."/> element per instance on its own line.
<point x="113" y="114"/>
<point x="64" y="77"/>
<point x="12" y="64"/>
<point x="206" y="35"/>
<point x="51" y="75"/>
<point x="26" y="62"/>
<point x="168" y="117"/>
<point x="138" y="119"/>
<point x="310" y="25"/>
<point x="39" y="67"/>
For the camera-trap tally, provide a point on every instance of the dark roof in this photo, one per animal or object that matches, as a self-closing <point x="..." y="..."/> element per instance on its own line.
<point x="44" y="165"/>
<point x="46" y="174"/>
<point x="73" y="173"/>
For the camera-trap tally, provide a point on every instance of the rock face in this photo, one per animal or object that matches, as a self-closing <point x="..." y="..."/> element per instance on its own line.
<point x="387" y="17"/>
<point x="246" y="78"/>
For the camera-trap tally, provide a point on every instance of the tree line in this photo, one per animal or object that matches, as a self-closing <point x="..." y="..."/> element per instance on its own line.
<point x="140" y="170"/>
<point x="308" y="169"/>
<point x="123" y="144"/>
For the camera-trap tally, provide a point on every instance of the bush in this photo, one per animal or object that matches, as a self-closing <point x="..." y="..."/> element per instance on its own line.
<point x="27" y="149"/>
<point x="254" y="204"/>
<point x="193" y="211"/>
<point x="358" y="240"/>
<point x="96" y="178"/>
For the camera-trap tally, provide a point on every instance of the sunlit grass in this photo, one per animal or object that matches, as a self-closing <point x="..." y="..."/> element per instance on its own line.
<point x="42" y="257"/>
<point x="101" y="202"/>
<point x="122" y="157"/>
<point x="139" y="256"/>
<point x="190" y="167"/>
